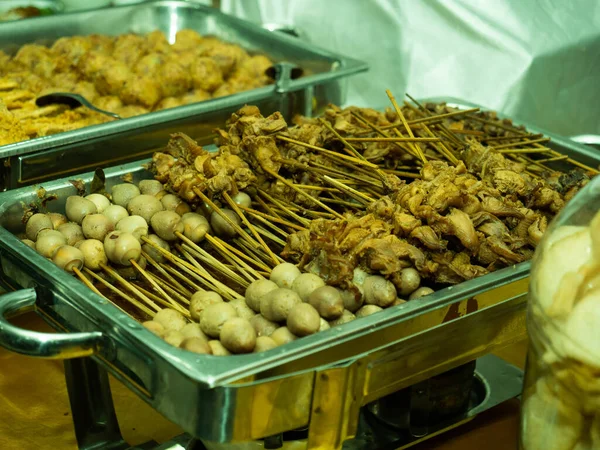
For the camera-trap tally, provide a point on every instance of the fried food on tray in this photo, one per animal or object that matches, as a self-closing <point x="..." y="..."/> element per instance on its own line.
<point x="373" y="211"/>
<point x="449" y="218"/>
<point x="128" y="74"/>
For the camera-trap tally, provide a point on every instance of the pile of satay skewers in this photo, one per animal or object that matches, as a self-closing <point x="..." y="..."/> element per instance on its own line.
<point x="289" y="230"/>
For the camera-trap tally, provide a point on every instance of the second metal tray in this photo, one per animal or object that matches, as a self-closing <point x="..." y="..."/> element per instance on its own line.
<point x="108" y="144"/>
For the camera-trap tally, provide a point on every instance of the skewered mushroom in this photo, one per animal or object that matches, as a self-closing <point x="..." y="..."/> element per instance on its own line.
<point x="379" y="291"/>
<point x="262" y="326"/>
<point x="96" y="226"/>
<point x="29" y="243"/>
<point x="217" y="348"/>
<point x="277" y="304"/>
<point x="100" y="201"/>
<point x="421" y="292"/>
<point x="153" y="252"/>
<point x="196" y="345"/>
<point x="121" y="247"/>
<point x="367" y="310"/>
<point x="123" y="193"/>
<point x="37" y="223"/>
<point x="57" y="219"/>
<point x="48" y="241"/>
<point x="303" y="320"/>
<point x="166" y="224"/>
<point x="150" y="187"/>
<point x="264" y="343"/>
<point x="409" y="281"/>
<point x="242" y="199"/>
<point x="72" y="231"/>
<point x="154" y="327"/>
<point x="220" y="226"/>
<point x="170" y="319"/>
<point x="306" y="283"/>
<point x="93" y="253"/>
<point x="173" y="203"/>
<point x="195" y="226"/>
<point x="135" y="225"/>
<point x="78" y="207"/>
<point x="214" y="316"/>
<point x="115" y="213"/>
<point x="67" y="257"/>
<point x="200" y="301"/>
<point x="145" y="206"/>
<point x="282" y="336"/>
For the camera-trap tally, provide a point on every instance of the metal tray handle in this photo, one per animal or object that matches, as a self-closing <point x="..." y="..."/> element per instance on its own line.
<point x="42" y="345"/>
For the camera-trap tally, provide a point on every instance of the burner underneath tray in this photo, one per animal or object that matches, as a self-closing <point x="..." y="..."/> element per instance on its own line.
<point x="412" y="415"/>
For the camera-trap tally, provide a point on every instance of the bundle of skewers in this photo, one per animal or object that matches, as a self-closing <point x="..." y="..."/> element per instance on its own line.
<point x="288" y="230"/>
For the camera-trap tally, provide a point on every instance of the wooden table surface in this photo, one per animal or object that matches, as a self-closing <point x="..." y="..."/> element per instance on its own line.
<point x="35" y="412"/>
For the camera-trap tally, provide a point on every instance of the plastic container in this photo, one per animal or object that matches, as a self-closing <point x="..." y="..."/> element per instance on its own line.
<point x="561" y="396"/>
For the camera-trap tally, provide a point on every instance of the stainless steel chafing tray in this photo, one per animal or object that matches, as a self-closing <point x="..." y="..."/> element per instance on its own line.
<point x="50" y="157"/>
<point x="320" y="381"/>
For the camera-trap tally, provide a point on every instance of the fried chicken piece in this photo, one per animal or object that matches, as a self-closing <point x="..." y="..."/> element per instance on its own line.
<point x="10" y="127"/>
<point x="457" y="224"/>
<point x="390" y="254"/>
<point x="428" y="237"/>
<point x="536" y="230"/>
<point x="73" y="48"/>
<point x="227" y="56"/>
<point x="129" y="49"/>
<point x="187" y="40"/>
<point x="206" y="74"/>
<point x="156" y="42"/>
<point x="149" y="64"/>
<point x="173" y="79"/>
<point x="263" y="153"/>
<point x="112" y="79"/>
<point x="141" y="90"/>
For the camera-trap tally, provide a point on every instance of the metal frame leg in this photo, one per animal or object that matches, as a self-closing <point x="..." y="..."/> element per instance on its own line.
<point x="93" y="411"/>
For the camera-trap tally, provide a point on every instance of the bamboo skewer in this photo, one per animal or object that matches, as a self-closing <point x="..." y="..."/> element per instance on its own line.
<point x="254" y="251"/>
<point x="170" y="289"/>
<point x="121" y="294"/>
<point x="242" y="255"/>
<point x="395" y="139"/>
<point x="346" y="143"/>
<point x="87" y="282"/>
<point x="129" y="286"/>
<point x="441" y="116"/>
<point x="380" y="131"/>
<point x="360" y="161"/>
<point x="216" y="243"/>
<point x="183" y="278"/>
<point x="359" y="196"/>
<point x="164" y="273"/>
<point x="416" y="148"/>
<point x="518" y="144"/>
<point x="212" y="261"/>
<point x="204" y="277"/>
<point x="443" y="129"/>
<point x="157" y="287"/>
<point x="256" y="214"/>
<point x="283" y="207"/>
<point x="225" y="217"/>
<point x="272" y="237"/>
<point x="241" y="215"/>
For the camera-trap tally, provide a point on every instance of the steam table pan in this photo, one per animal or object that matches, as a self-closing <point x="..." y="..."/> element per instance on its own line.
<point x="112" y="143"/>
<point x="321" y="380"/>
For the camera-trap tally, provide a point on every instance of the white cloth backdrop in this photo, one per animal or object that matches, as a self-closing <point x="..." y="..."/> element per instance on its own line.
<point x="538" y="60"/>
